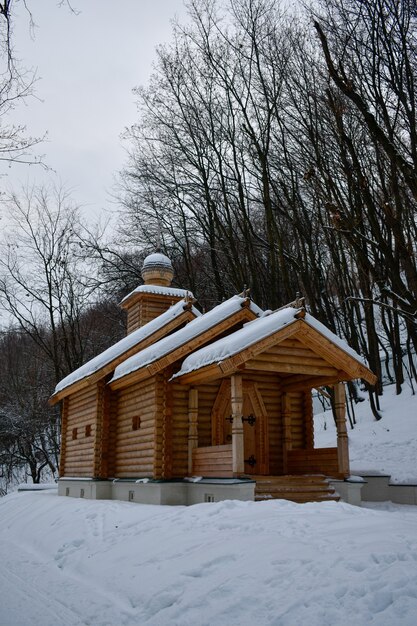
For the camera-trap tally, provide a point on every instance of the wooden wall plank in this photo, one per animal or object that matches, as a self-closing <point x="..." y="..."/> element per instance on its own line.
<point x="134" y="449"/>
<point x="81" y="410"/>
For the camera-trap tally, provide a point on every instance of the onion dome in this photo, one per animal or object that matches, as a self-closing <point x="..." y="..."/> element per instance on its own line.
<point x="157" y="270"/>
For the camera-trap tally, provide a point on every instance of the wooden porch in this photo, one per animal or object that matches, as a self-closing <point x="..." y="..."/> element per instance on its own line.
<point x="248" y="448"/>
<point x="261" y="419"/>
<point x="307" y="481"/>
<point x="217" y="462"/>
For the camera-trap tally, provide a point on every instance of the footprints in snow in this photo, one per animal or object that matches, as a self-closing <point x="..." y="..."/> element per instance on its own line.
<point x="209" y="567"/>
<point x="94" y="532"/>
<point x="67" y="550"/>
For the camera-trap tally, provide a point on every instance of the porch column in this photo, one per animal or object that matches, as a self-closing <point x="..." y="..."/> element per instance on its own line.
<point x="237" y="425"/>
<point x="342" y="436"/>
<point x="192" y="426"/>
<point x="286" y="430"/>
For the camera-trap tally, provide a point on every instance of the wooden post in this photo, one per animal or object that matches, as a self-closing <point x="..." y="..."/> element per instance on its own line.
<point x="342" y="436"/>
<point x="167" y="443"/>
<point x="105" y="433"/>
<point x="64" y="431"/>
<point x="192" y="426"/>
<point x="99" y="430"/>
<point x="286" y="430"/>
<point x="237" y="425"/>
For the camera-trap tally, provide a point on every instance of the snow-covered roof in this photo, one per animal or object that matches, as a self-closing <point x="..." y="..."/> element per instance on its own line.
<point x="160" y="290"/>
<point x="338" y="341"/>
<point x="124" y="345"/>
<point x="183" y="335"/>
<point x="251" y="333"/>
<point x="157" y="259"/>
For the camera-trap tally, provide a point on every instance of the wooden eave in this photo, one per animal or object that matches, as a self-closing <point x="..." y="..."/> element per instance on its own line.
<point x="341" y="360"/>
<point x="147" y="371"/>
<point x="186" y="316"/>
<point x="138" y="295"/>
<point x="337" y="364"/>
<point x="300" y="382"/>
<point x="237" y="361"/>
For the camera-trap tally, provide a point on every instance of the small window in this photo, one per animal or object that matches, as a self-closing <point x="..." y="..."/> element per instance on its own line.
<point x="209" y="497"/>
<point x="131" y="496"/>
<point x="74" y="433"/>
<point x="135" y="422"/>
<point x="88" y="430"/>
<point x="82" y="493"/>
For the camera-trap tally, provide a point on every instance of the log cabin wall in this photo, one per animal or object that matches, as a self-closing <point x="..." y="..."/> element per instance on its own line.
<point x="101" y="431"/>
<point x="105" y="434"/>
<point x="207" y="395"/>
<point x="309" y="419"/>
<point x="160" y="445"/>
<point x="133" y="318"/>
<point x="297" y="420"/>
<point x="144" y="307"/>
<point x="135" y="430"/>
<point x="64" y="431"/>
<point x="81" y="411"/>
<point x="113" y="400"/>
<point x="301" y="420"/>
<point x="179" y="431"/>
<point x="168" y="431"/>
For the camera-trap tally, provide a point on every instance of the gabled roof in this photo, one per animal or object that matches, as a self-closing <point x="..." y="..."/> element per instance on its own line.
<point x="233" y="351"/>
<point x="160" y="354"/>
<point x="104" y="363"/>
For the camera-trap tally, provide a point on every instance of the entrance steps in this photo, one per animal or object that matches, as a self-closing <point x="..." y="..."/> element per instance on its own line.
<point x="305" y="488"/>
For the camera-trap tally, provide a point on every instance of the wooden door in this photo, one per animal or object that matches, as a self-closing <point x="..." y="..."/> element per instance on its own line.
<point x="255" y="426"/>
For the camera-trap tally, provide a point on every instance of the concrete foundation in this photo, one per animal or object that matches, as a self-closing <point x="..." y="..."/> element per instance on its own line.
<point x="378" y="488"/>
<point x="373" y="488"/>
<point x="158" y="492"/>
<point x="350" y="491"/>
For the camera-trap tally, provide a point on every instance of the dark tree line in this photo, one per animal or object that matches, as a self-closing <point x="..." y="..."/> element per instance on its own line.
<point x="279" y="151"/>
<point x="29" y="426"/>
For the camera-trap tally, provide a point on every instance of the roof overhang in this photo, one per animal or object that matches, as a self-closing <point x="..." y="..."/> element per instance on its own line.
<point x="186" y="316"/>
<point x="339" y="364"/>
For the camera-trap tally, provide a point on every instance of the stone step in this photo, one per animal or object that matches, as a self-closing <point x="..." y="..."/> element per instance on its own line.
<point x="291" y="478"/>
<point x="309" y="488"/>
<point x="293" y="487"/>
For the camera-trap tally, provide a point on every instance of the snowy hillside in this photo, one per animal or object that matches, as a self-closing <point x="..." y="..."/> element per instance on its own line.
<point x="388" y="446"/>
<point x="105" y="563"/>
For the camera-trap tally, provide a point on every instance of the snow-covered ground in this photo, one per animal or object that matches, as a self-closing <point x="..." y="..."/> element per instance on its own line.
<point x="387" y="446"/>
<point x="70" y="562"/>
<point x="74" y="562"/>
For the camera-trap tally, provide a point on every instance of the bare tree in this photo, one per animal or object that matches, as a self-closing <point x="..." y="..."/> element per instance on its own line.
<point x="45" y="283"/>
<point x="254" y="153"/>
<point x="16" y="84"/>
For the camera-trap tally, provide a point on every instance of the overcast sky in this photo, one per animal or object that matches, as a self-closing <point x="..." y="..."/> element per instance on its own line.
<point x="87" y="66"/>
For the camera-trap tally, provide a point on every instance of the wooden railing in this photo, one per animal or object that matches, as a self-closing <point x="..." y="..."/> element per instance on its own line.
<point x="213" y="462"/>
<point x="314" y="461"/>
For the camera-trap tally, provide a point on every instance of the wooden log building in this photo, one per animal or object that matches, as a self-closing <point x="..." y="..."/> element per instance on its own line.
<point x="192" y="407"/>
